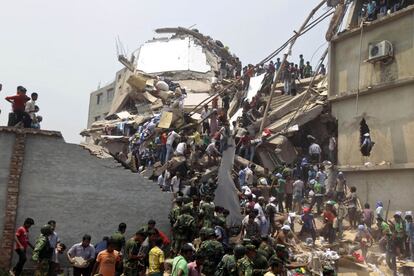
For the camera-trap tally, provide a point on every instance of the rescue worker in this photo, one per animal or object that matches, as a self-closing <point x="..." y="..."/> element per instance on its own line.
<point x="184" y="229"/>
<point x="176" y="210"/>
<point x="42" y="252"/>
<point x="207" y="211"/>
<point x="228" y="264"/>
<point x="245" y="264"/>
<point x="212" y="250"/>
<point x="133" y="261"/>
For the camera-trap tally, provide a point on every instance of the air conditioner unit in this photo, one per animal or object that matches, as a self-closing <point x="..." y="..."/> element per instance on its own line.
<point x="379" y="51"/>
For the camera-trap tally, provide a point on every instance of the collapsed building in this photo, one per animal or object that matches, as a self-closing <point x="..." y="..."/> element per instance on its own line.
<point x="164" y="74"/>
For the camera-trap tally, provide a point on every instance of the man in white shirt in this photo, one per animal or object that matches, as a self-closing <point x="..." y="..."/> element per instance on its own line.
<point x="204" y="116"/>
<point x="249" y="176"/>
<point x="212" y="152"/>
<point x="175" y="183"/>
<point x="170" y="141"/>
<point x="83" y="250"/>
<point x="315" y="152"/>
<point x="30" y="107"/>
<point x="181" y="147"/>
<point x="298" y="189"/>
<point x="53" y="241"/>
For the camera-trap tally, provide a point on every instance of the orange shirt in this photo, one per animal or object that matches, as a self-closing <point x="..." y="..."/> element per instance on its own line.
<point x="107" y="262"/>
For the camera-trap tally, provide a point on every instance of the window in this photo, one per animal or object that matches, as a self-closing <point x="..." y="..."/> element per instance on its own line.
<point x="99" y="98"/>
<point x="366" y="142"/>
<point x="109" y="94"/>
<point x="97" y="118"/>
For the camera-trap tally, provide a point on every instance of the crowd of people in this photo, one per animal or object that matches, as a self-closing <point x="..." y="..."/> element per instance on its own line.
<point x="373" y="9"/>
<point x="281" y="211"/>
<point x="25" y="110"/>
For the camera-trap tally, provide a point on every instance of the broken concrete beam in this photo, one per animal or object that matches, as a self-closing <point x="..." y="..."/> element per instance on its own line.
<point x="283" y="110"/>
<point x="300" y="119"/>
<point x="240" y="161"/>
<point x="137" y="81"/>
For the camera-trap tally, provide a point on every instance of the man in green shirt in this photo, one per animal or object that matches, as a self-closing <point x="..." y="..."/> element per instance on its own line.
<point x="179" y="267"/>
<point x="119" y="237"/>
<point x="42" y="252"/>
<point x="245" y="264"/>
<point x="307" y="70"/>
<point x="133" y="261"/>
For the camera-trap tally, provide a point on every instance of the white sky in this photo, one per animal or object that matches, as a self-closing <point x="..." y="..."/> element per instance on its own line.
<point x="64" y="49"/>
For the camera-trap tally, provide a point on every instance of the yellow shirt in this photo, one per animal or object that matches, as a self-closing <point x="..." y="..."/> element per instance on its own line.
<point x="197" y="138"/>
<point x="156" y="258"/>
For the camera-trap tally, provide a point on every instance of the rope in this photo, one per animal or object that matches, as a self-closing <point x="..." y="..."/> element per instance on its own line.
<point x="359" y="67"/>
<point x="315" y="74"/>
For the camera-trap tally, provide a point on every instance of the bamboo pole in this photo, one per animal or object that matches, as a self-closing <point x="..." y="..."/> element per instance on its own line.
<point x="285" y="56"/>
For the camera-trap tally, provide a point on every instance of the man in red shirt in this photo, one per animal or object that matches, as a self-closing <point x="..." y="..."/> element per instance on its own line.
<point x="329" y="216"/>
<point x="18" y="102"/>
<point x="22" y="241"/>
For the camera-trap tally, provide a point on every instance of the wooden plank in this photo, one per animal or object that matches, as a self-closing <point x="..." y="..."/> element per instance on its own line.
<point x="166" y="119"/>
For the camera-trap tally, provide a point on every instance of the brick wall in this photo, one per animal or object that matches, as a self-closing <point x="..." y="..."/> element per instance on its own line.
<point x="13" y="183"/>
<point x="12" y="192"/>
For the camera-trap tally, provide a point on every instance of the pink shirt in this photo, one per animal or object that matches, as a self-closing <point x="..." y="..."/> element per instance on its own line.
<point x="194" y="269"/>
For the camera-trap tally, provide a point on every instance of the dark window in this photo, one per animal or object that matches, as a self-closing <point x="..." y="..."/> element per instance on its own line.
<point x="366" y="142"/>
<point x="99" y="98"/>
<point x="109" y="94"/>
<point x="97" y="118"/>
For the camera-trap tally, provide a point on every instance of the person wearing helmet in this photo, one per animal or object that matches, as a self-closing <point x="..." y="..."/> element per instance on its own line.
<point x="42" y="253"/>
<point x="245" y="264"/>
<point x="184" y="229"/>
<point x="400" y="228"/>
<point x="364" y="238"/>
<point x="228" y="264"/>
<point x="282" y="237"/>
<point x="276" y="267"/>
<point x="212" y="250"/>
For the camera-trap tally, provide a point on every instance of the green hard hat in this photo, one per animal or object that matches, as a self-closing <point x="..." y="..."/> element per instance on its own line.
<point x="239" y="251"/>
<point x="46" y="230"/>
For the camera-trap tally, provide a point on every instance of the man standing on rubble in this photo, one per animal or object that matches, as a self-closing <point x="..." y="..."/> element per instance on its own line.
<point x="281" y="183"/>
<point x="204" y="117"/>
<point x="172" y="136"/>
<point x="301" y="66"/>
<point x="307" y="70"/>
<point x="315" y="150"/>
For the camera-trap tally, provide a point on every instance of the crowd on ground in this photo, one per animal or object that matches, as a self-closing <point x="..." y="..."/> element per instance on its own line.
<point x="25" y="110"/>
<point x="281" y="210"/>
<point x="373" y="9"/>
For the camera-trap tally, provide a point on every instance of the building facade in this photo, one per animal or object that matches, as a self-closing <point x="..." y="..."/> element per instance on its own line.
<point x="100" y="102"/>
<point x="371" y="89"/>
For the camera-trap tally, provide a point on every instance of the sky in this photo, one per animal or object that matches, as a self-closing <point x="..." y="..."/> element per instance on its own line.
<point x="64" y="49"/>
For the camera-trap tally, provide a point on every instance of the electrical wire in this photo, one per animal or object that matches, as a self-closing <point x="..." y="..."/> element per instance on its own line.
<point x="309" y="27"/>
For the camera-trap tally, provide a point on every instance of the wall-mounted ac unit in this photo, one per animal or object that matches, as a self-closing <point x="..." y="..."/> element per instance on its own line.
<point x="380" y="51"/>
